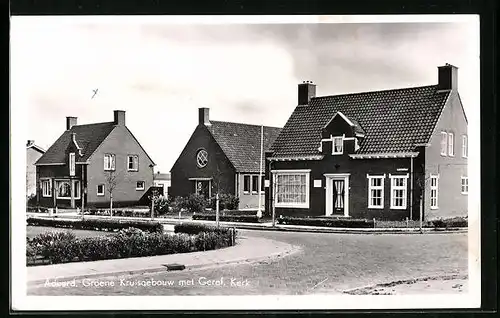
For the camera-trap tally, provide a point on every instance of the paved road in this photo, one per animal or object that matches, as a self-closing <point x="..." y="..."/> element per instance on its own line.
<point x="328" y="263"/>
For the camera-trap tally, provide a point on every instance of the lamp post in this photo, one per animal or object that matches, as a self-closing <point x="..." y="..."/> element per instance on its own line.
<point x="152" y="192"/>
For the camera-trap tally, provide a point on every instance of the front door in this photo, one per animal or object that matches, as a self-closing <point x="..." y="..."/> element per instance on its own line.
<point x="337" y="195"/>
<point x="203" y="187"/>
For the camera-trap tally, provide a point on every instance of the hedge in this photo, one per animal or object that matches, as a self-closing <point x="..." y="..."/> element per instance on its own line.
<point x="233" y="212"/>
<point x="64" y="247"/>
<point x="196" y="228"/>
<point x="97" y="224"/>
<point x="354" y="223"/>
<point x="451" y="222"/>
<point x="227" y="218"/>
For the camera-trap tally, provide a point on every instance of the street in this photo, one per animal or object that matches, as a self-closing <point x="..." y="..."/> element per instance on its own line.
<point x="327" y="263"/>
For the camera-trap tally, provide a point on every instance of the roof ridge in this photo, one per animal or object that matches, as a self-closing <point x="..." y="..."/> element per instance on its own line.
<point x="232" y="122"/>
<point x="377" y="91"/>
<point x="92" y="124"/>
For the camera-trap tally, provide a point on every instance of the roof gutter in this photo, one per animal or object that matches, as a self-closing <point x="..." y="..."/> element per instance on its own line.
<point x="301" y="158"/>
<point x="385" y="155"/>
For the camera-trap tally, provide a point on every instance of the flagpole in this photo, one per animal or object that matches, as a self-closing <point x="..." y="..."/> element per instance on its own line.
<point x="259" y="210"/>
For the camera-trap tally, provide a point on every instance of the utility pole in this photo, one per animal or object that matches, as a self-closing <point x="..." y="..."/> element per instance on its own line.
<point x="272" y="193"/>
<point x="217" y="208"/>
<point x="259" y="210"/>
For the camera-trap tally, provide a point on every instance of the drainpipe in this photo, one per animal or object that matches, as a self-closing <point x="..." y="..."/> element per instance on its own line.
<point x="271" y="193"/>
<point x="411" y="188"/>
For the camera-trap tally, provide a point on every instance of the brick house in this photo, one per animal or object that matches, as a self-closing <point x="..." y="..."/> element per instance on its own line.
<point x="33" y="153"/>
<point x="225" y="156"/>
<point x="370" y="155"/>
<point x="162" y="181"/>
<point x="79" y="168"/>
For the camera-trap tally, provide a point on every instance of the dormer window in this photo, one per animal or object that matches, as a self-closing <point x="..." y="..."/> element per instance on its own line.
<point x="337" y="145"/>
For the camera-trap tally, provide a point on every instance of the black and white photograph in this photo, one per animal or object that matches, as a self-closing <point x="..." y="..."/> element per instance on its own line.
<point x="245" y="162"/>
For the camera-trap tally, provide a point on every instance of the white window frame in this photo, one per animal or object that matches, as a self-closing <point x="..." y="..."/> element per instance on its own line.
<point x="72" y="162"/>
<point x="444" y="143"/>
<point x="462" y="185"/>
<point x="136" y="162"/>
<point x="465" y="146"/>
<point x="341" y="138"/>
<point x="276" y="173"/>
<point x="249" y="184"/>
<point x="48" y="182"/>
<point x="434" y="200"/>
<point x="107" y="165"/>
<point x="56" y="184"/>
<point x="252" y="184"/>
<point x="101" y="194"/>
<point x="451" y="144"/>
<point x="404" y="187"/>
<point x="140" y="188"/>
<point x="371" y="187"/>
<point x="201" y="162"/>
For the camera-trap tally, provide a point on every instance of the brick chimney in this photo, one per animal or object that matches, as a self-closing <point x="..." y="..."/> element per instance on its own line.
<point x="30" y="143"/>
<point x="307" y="90"/>
<point x="119" y="117"/>
<point x="203" y="116"/>
<point x="447" y="77"/>
<point x="70" y="122"/>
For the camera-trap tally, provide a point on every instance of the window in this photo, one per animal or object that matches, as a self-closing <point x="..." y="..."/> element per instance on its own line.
<point x="444" y="142"/>
<point x="76" y="189"/>
<point x="46" y="188"/>
<point x="109" y="162"/>
<point x="292" y="189"/>
<point x="100" y="189"/>
<point x="72" y="164"/>
<point x="140" y="185"/>
<point x="434" y="191"/>
<point x="465" y="185"/>
<point x="376" y="192"/>
<point x="398" y="191"/>
<point x="337" y="145"/>
<point x="133" y="163"/>
<point x="465" y="150"/>
<point x="63" y="189"/>
<point x="246" y="184"/>
<point x="451" y="139"/>
<point x="262" y="184"/>
<point x="255" y="184"/>
<point x="202" y="158"/>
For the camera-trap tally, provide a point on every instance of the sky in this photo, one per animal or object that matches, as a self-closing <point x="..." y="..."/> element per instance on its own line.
<point x="161" y="71"/>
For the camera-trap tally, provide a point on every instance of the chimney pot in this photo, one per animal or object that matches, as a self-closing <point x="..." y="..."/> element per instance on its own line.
<point x="448" y="77"/>
<point x="30" y="143"/>
<point x="70" y="122"/>
<point x="203" y="116"/>
<point x="306" y="91"/>
<point x="119" y="117"/>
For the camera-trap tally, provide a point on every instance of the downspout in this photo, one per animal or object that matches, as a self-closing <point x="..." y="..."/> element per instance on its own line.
<point x="411" y="188"/>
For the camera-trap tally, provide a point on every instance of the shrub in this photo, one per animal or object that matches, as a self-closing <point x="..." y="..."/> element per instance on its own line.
<point x="226" y="202"/>
<point x="195" y="203"/>
<point x="161" y="205"/>
<point x="64" y="247"/>
<point x="227" y="218"/>
<point x="178" y="204"/>
<point x="196" y="228"/>
<point x="451" y="222"/>
<point x="329" y="222"/>
<point x="31" y="200"/>
<point x="97" y="224"/>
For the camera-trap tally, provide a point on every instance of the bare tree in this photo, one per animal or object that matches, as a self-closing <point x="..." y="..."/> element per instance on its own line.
<point x="111" y="183"/>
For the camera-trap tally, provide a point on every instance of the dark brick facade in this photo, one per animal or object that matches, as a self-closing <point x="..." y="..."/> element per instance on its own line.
<point x="219" y="168"/>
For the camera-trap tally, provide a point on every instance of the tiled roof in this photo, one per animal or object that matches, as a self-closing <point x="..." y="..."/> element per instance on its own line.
<point x="393" y="120"/>
<point x="241" y="143"/>
<point x="88" y="137"/>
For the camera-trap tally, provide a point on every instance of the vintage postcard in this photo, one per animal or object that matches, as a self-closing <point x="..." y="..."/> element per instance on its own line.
<point x="245" y="162"/>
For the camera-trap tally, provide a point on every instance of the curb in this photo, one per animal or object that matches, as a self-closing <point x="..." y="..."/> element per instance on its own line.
<point x="240" y="261"/>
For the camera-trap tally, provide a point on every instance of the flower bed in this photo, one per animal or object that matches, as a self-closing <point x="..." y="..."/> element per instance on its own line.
<point x="329" y="222"/>
<point x="96" y="224"/>
<point x="227" y="218"/>
<point x="64" y="247"/>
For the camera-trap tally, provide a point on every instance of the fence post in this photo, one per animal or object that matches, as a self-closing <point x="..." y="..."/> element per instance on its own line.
<point x="407" y="222"/>
<point x="374" y="224"/>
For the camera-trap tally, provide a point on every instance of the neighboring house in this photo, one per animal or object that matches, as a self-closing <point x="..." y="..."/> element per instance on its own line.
<point x="369" y="155"/>
<point x="80" y="166"/>
<point x="33" y="153"/>
<point x="162" y="180"/>
<point x="225" y="156"/>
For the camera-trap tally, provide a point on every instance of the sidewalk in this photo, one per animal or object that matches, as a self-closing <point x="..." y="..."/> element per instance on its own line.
<point x="246" y="250"/>
<point x="268" y="226"/>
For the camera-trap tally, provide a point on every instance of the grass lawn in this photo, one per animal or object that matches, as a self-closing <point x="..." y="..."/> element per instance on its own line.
<point x="32" y="231"/>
